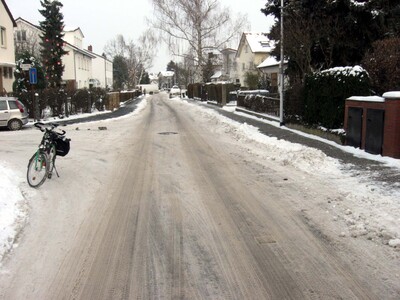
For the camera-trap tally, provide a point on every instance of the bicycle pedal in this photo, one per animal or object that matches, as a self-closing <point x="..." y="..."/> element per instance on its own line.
<point x="49" y="175"/>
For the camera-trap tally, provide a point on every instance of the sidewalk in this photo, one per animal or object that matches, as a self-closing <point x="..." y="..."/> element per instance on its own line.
<point x="376" y="170"/>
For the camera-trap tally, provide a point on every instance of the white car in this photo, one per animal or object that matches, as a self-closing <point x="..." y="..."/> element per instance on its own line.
<point x="174" y="91"/>
<point x="13" y="113"/>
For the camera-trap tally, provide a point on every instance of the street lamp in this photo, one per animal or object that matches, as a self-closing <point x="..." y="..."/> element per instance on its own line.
<point x="281" y="71"/>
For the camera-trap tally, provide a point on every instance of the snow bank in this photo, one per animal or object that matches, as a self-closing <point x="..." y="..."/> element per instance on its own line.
<point x="13" y="208"/>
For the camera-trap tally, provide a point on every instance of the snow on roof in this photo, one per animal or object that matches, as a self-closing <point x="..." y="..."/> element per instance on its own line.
<point x="258" y="42"/>
<point x="167" y="73"/>
<point x="270" y="61"/>
<point x="392" y="95"/>
<point x="367" y="98"/>
<point x="216" y="75"/>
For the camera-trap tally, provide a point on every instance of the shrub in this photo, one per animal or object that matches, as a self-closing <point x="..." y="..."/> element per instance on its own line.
<point x="325" y="94"/>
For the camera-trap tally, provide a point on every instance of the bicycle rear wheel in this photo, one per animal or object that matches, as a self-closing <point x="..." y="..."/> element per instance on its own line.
<point x="38" y="168"/>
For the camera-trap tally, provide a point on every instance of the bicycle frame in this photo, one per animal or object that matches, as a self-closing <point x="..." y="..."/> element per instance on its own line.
<point x="42" y="164"/>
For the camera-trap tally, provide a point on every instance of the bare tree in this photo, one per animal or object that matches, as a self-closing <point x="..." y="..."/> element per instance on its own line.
<point x="116" y="47"/>
<point x="146" y="51"/>
<point x="195" y="27"/>
<point x="139" y="56"/>
<point x="26" y="41"/>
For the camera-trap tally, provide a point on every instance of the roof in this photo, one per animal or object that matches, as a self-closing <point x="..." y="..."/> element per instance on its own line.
<point x="9" y="13"/>
<point x="216" y="75"/>
<point x="270" y="61"/>
<point x="82" y="51"/>
<point x="166" y="74"/>
<point x="73" y="29"/>
<point x="258" y="42"/>
<point x="228" y="50"/>
<point x="27" y="22"/>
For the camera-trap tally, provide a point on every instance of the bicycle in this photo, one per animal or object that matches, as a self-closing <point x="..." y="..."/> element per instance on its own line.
<point x="43" y="162"/>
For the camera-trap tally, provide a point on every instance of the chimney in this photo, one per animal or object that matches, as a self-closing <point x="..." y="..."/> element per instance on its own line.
<point x="90" y="48"/>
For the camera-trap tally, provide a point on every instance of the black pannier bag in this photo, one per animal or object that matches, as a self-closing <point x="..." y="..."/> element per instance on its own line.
<point x="62" y="146"/>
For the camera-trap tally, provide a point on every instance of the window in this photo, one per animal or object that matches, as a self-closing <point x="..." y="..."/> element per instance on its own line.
<point x="3" y="105"/>
<point x="7" y="72"/>
<point x="21" y="35"/>
<point x="3" y="37"/>
<point x="12" y="104"/>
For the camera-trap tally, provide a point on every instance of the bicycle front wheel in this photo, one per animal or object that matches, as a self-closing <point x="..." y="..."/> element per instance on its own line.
<point x="38" y="168"/>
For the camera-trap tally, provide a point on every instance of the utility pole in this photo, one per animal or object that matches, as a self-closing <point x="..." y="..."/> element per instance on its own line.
<point x="281" y="71"/>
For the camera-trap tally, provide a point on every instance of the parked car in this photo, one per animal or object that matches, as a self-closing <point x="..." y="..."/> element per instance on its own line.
<point x="174" y="91"/>
<point x="13" y="113"/>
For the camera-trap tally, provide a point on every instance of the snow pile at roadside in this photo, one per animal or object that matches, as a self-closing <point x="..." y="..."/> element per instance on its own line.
<point x="13" y="208"/>
<point x="366" y="208"/>
<point x="304" y="158"/>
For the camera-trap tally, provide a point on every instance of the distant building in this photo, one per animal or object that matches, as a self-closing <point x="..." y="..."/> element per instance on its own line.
<point x="228" y="64"/>
<point x="7" y="50"/>
<point x="166" y="79"/>
<point x="102" y="71"/>
<point x="83" y="68"/>
<point x="77" y="62"/>
<point x="27" y="37"/>
<point x="253" y="49"/>
<point x="270" y="70"/>
<point x="153" y="78"/>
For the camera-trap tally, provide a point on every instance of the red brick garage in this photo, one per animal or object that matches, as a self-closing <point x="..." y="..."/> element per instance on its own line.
<point x="373" y="123"/>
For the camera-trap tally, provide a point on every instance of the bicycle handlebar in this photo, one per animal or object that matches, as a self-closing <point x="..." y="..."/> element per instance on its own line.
<point x="43" y="127"/>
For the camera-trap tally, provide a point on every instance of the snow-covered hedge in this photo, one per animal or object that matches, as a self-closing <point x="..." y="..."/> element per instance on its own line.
<point x="325" y="93"/>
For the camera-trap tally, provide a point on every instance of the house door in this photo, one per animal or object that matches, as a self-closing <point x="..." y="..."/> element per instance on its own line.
<point x="374" y="131"/>
<point x="354" y="127"/>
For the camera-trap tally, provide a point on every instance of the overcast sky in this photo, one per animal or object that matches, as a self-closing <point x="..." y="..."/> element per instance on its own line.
<point x="102" y="20"/>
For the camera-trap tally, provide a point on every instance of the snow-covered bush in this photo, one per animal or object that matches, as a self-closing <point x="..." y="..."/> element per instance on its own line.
<point x="325" y="93"/>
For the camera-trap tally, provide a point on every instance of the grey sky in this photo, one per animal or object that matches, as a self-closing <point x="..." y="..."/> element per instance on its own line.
<point x="101" y="20"/>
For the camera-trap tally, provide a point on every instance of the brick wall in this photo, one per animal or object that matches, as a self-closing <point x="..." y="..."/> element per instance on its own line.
<point x="391" y="143"/>
<point x="390" y="103"/>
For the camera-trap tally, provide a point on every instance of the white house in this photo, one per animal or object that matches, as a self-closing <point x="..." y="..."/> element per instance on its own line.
<point x="83" y="68"/>
<point x="78" y="62"/>
<point x="102" y="71"/>
<point x="270" y="68"/>
<point x="153" y="78"/>
<point x="7" y="50"/>
<point x="166" y="79"/>
<point x="27" y="37"/>
<point x="253" y="49"/>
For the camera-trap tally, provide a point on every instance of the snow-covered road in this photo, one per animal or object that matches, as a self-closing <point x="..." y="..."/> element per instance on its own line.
<point x="360" y="215"/>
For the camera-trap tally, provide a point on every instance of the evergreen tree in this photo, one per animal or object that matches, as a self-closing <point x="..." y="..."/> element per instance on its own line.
<point x="145" y="78"/>
<point x="120" y="72"/>
<point x="321" y="34"/>
<point x="52" y="41"/>
<point x="208" y="70"/>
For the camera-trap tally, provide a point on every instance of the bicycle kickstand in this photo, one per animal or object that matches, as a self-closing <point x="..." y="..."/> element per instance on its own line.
<point x="56" y="170"/>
